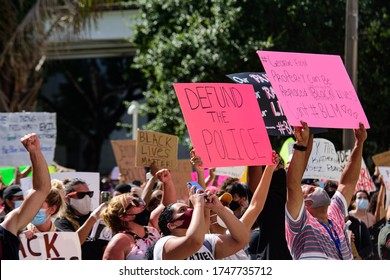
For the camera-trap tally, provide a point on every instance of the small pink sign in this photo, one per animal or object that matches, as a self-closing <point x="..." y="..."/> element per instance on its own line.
<point x="314" y="88"/>
<point x="225" y="124"/>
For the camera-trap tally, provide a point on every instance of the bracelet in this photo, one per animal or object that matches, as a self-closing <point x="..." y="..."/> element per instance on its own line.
<point x="300" y="148"/>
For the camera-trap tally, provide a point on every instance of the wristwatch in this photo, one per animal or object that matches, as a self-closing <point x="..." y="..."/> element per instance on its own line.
<point x="300" y="148"/>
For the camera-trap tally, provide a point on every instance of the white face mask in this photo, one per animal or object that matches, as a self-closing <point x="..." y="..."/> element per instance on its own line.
<point x="83" y="205"/>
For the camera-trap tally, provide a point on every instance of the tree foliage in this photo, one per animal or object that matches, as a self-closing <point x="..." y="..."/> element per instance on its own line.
<point x="87" y="96"/>
<point x="25" y="27"/>
<point x="202" y="41"/>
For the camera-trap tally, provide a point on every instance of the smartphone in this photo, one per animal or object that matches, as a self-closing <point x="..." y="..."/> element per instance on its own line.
<point x="196" y="184"/>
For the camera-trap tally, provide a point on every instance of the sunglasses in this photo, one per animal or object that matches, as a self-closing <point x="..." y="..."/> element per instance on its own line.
<point x="80" y="195"/>
<point x="135" y="202"/>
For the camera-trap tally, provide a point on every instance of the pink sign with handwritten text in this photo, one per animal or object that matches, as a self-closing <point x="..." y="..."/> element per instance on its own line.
<point x="314" y="88"/>
<point x="225" y="124"/>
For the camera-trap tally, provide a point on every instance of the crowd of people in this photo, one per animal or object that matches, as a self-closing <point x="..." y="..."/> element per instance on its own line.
<point x="274" y="215"/>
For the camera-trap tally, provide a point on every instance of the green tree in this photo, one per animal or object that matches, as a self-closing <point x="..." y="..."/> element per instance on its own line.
<point x="189" y="41"/>
<point x="87" y="96"/>
<point x="25" y="27"/>
<point x="374" y="65"/>
<point x="201" y="41"/>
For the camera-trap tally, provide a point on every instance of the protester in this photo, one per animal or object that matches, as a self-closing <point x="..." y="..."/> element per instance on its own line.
<point x="121" y="189"/>
<point x="361" y="201"/>
<point x="185" y="230"/>
<point x="42" y="222"/>
<point x="361" y="245"/>
<point x="259" y="197"/>
<point x="79" y="218"/>
<point x="268" y="242"/>
<point x="133" y="224"/>
<point x="239" y="193"/>
<point x="12" y="198"/>
<point x="384" y="239"/>
<point x="18" y="219"/>
<point x="315" y="224"/>
<point x="128" y="217"/>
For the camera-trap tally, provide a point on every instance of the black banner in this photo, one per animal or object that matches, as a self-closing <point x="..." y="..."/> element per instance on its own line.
<point x="274" y="119"/>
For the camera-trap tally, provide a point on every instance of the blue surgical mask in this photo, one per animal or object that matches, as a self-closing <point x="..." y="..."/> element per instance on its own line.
<point x="40" y="217"/>
<point x="17" y="203"/>
<point x="362" y="203"/>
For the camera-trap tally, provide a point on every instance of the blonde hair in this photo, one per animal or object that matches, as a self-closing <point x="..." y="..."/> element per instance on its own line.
<point x="56" y="197"/>
<point x="55" y="183"/>
<point x="116" y="207"/>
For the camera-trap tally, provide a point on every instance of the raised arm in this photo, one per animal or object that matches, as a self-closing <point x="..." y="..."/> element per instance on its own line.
<point x="180" y="247"/>
<point x="296" y="170"/>
<point x="351" y="171"/>
<point x="380" y="202"/>
<point x="148" y="189"/>
<point x="197" y="163"/>
<point x="20" y="217"/>
<point x="168" y="195"/>
<point x="238" y="236"/>
<point x="260" y="195"/>
<point x="210" y="178"/>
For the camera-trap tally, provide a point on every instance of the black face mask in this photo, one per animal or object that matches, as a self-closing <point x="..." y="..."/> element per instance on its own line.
<point x="234" y="205"/>
<point x="142" y="218"/>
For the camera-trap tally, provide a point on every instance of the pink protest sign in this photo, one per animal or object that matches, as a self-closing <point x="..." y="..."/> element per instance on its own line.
<point x="314" y="88"/>
<point x="225" y="124"/>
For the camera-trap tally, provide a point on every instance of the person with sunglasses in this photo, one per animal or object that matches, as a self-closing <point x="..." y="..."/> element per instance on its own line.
<point x="78" y="205"/>
<point x="133" y="224"/>
<point x="79" y="218"/>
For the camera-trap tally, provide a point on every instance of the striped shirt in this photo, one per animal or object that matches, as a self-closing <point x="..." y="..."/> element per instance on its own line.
<point x="307" y="238"/>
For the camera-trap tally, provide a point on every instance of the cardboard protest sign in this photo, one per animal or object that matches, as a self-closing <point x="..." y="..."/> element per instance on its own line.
<point x="323" y="161"/>
<point x="159" y="147"/>
<point x="314" y="88"/>
<point x="225" y="124"/>
<point x="181" y="175"/>
<point x="382" y="159"/>
<point x="124" y="152"/>
<point x="91" y="178"/>
<point x="50" y="246"/>
<point x="385" y="172"/>
<point x="365" y="181"/>
<point x="14" y="126"/>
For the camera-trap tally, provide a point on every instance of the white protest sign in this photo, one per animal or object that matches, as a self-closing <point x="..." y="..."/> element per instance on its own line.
<point x="230" y="171"/>
<point x="323" y="161"/>
<point x="14" y="126"/>
<point x="385" y="172"/>
<point x="91" y="178"/>
<point x="365" y="181"/>
<point x="50" y="246"/>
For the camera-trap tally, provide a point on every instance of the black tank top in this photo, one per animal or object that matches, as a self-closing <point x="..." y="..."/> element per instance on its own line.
<point x="9" y="245"/>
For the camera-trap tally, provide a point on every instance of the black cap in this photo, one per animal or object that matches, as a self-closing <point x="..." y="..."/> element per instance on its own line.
<point x="123" y="188"/>
<point x="10" y="191"/>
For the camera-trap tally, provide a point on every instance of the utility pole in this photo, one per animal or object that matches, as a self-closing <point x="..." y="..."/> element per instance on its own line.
<point x="351" y="57"/>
